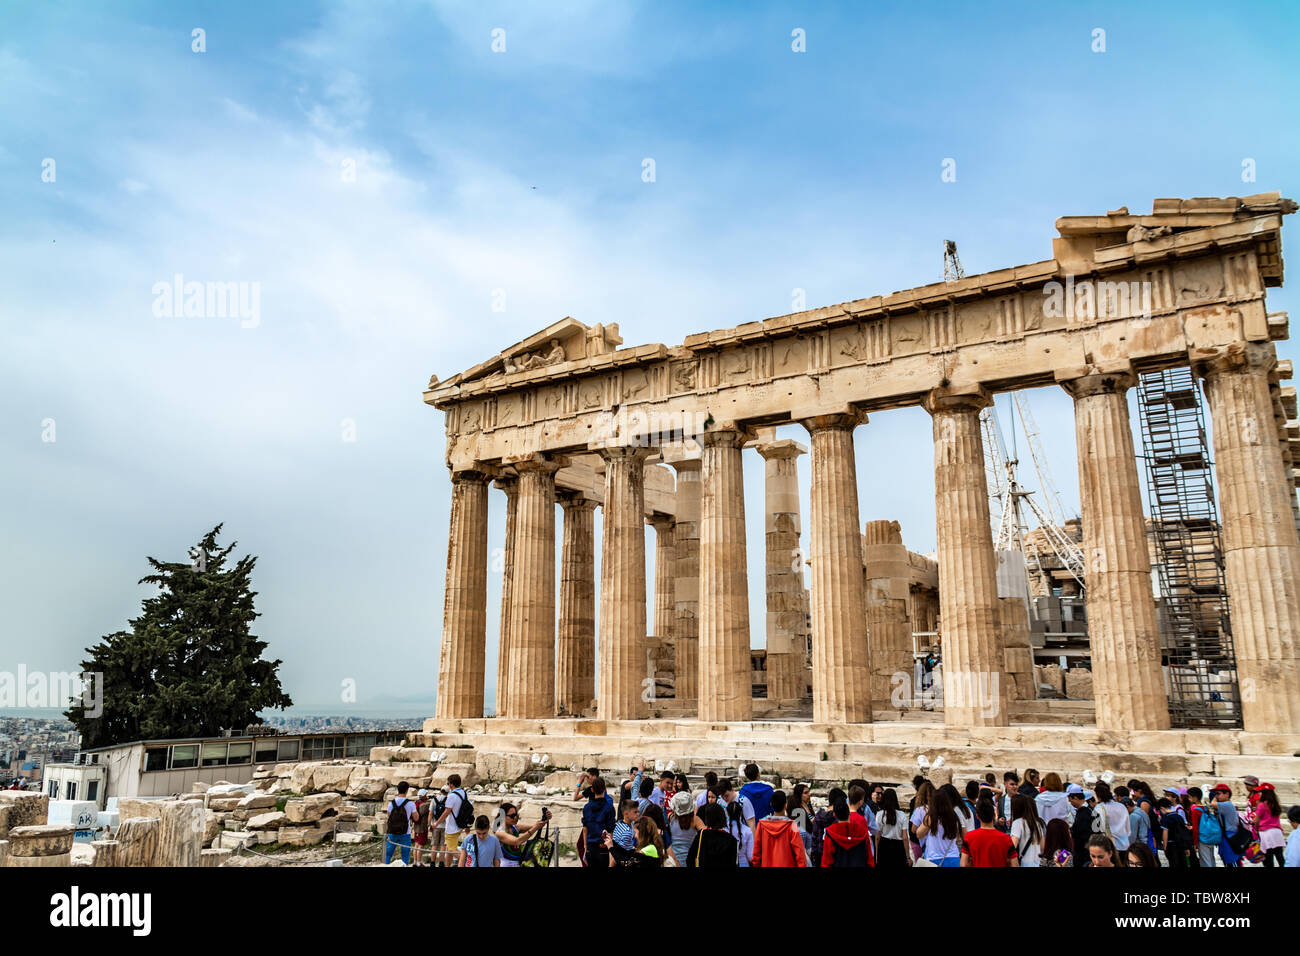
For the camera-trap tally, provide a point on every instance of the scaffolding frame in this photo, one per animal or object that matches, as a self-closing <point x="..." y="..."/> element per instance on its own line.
<point x="1201" y="678"/>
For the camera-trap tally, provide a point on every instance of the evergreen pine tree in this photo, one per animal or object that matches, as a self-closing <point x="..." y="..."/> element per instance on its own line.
<point x="189" y="665"/>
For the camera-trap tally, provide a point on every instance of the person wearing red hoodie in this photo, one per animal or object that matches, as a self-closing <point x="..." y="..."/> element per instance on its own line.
<point x="848" y="840"/>
<point x="776" y="838"/>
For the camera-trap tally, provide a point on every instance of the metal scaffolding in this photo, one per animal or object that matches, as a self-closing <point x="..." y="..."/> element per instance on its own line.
<point x="1197" y="630"/>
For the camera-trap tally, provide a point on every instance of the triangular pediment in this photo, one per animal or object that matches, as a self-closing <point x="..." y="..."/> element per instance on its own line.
<point x="567" y="340"/>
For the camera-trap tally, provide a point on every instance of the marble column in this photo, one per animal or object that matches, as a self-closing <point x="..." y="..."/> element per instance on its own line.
<point x="510" y="487"/>
<point x="975" y="692"/>
<point x="686" y="657"/>
<point x="726" y="686"/>
<point x="787" y="625"/>
<point x="531" y="681"/>
<point x="1124" y="637"/>
<point x="665" y="577"/>
<point x="841" y="669"/>
<point x="1261" y="550"/>
<point x="462" y="663"/>
<point x="622" y="668"/>
<point x="889" y="625"/>
<point x="575" y="668"/>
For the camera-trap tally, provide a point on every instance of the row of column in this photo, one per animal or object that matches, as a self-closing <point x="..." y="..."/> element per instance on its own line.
<point x="702" y="580"/>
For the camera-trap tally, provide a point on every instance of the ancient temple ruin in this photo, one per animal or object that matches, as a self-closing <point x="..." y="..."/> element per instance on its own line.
<point x="655" y="435"/>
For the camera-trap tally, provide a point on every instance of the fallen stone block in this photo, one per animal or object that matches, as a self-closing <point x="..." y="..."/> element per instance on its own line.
<point x="267" y="821"/>
<point x="25" y="809"/>
<point x="40" y="840"/>
<point x="256" y="801"/>
<point x="310" y="808"/>
<point x="215" y="857"/>
<point x="367" y="788"/>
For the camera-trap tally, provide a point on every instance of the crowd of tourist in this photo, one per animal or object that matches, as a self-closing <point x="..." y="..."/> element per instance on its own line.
<point x="649" y="820"/>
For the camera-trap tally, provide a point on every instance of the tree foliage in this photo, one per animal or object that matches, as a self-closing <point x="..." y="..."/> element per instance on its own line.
<point x="189" y="666"/>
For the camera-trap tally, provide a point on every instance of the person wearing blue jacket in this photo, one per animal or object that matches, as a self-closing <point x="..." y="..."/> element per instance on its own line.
<point x="598" y="818"/>
<point x="758" y="792"/>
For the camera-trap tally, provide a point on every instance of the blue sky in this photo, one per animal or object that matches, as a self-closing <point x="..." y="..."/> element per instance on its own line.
<point x="518" y="171"/>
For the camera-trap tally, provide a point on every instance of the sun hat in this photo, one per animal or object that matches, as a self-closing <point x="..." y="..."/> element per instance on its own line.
<point x="683" y="803"/>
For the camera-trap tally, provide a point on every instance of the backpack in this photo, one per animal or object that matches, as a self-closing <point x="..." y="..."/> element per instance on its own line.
<point x="539" y="850"/>
<point x="1210" y="829"/>
<point x="398" y="822"/>
<point x="465" y="815"/>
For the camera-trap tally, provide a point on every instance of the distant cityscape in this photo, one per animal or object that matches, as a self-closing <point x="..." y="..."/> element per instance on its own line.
<point x="29" y="744"/>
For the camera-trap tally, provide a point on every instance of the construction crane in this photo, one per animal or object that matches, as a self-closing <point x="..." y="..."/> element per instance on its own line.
<point x="1015" y="504"/>
<point x="952" y="270"/>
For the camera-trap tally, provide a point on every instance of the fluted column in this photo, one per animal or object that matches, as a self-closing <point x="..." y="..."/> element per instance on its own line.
<point x="787" y="625"/>
<point x="665" y="577"/>
<point x="531" y="681"/>
<point x="462" y="664"/>
<point x="888" y="596"/>
<point x="1261" y="551"/>
<point x="623" y="663"/>
<point x="686" y="658"/>
<point x="726" y="688"/>
<point x="841" y="670"/>
<point x="576" y="646"/>
<point x="974" y="687"/>
<point x="1124" y="637"/>
<point x="510" y="486"/>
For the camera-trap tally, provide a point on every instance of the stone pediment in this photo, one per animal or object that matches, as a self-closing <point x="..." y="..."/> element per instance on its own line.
<point x="567" y="340"/>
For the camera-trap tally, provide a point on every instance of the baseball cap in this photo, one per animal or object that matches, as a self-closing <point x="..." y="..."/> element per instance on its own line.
<point x="1074" y="788"/>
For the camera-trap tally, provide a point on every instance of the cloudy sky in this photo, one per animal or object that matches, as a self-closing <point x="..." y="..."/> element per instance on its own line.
<point x="519" y="171"/>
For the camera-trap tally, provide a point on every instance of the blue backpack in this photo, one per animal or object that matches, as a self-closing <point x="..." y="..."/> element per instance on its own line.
<point x="1210" y="829"/>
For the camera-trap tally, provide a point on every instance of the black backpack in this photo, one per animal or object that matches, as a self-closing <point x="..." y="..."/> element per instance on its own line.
<point x="398" y="822"/>
<point x="465" y="815"/>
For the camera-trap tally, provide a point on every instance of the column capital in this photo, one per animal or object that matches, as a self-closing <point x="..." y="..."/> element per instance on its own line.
<point x="845" y="421"/>
<point x="781" y="448"/>
<point x="731" y="436"/>
<point x="507" y="483"/>
<point x="687" y="465"/>
<point x="538" y="462"/>
<point x="1234" y="358"/>
<point x="949" y="398"/>
<point x="469" y="475"/>
<point x="1094" y="380"/>
<point x="574" y="500"/>
<point x="624" y="452"/>
<point x="661" y="523"/>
